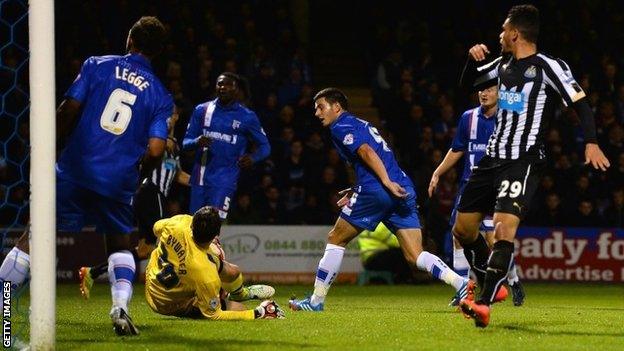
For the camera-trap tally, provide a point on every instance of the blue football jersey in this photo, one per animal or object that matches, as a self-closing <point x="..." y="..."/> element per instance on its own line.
<point x="348" y="134"/>
<point x="472" y="135"/>
<point x="231" y="128"/>
<point x="123" y="105"/>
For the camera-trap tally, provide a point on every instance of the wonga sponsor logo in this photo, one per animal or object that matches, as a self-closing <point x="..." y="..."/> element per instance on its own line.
<point x="511" y="100"/>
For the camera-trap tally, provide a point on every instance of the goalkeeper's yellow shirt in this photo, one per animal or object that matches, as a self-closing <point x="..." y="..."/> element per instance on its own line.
<point x="182" y="276"/>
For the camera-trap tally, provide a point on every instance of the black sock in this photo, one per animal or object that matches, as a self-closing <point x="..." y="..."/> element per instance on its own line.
<point x="102" y="268"/>
<point x="498" y="266"/>
<point x="477" y="254"/>
<point x="99" y="270"/>
<point x="137" y="261"/>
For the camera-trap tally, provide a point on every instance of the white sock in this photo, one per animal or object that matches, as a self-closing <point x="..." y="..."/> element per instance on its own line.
<point x="460" y="263"/>
<point x="512" y="275"/>
<point x="15" y="268"/>
<point x="121" y="270"/>
<point x="439" y="270"/>
<point x="328" y="269"/>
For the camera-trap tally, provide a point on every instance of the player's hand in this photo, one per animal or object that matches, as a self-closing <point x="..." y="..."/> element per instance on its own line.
<point x="433" y="184"/>
<point x="478" y="52"/>
<point x="245" y="161"/>
<point x="172" y="145"/>
<point x="346" y="196"/>
<point x="218" y="248"/>
<point x="269" y="309"/>
<point x="396" y="189"/>
<point x="203" y="141"/>
<point x="594" y="155"/>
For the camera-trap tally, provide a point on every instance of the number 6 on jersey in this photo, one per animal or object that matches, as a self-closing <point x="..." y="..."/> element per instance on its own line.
<point x="117" y="112"/>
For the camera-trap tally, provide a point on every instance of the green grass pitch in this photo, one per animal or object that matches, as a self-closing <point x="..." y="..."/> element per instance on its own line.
<point x="555" y="317"/>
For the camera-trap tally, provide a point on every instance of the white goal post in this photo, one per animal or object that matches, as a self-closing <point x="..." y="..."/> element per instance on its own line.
<point x="42" y="175"/>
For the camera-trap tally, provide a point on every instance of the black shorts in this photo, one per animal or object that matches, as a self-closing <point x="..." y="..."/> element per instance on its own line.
<point x="149" y="205"/>
<point x="506" y="186"/>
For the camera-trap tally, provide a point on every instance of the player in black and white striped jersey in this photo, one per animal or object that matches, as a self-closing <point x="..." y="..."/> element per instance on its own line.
<point x="530" y="89"/>
<point x="169" y="169"/>
<point x="148" y="203"/>
<point x="531" y="85"/>
<point x="150" y="199"/>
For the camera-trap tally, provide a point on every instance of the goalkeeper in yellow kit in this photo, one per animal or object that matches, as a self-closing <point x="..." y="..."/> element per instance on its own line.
<point x="183" y="274"/>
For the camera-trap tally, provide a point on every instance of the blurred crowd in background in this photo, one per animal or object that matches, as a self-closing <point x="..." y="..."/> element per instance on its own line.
<point x="415" y="89"/>
<point x="414" y="60"/>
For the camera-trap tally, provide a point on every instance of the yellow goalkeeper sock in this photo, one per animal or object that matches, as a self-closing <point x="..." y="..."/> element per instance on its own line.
<point x="236" y="289"/>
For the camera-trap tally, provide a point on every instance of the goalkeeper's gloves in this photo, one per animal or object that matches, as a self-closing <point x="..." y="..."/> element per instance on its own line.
<point x="269" y="309"/>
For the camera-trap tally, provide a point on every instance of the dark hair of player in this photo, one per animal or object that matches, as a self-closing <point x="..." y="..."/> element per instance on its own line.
<point x="525" y="18"/>
<point x="148" y="35"/>
<point x="206" y="224"/>
<point x="333" y="95"/>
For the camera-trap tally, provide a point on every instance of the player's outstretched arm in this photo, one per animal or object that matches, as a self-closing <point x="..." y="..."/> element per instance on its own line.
<point x="183" y="178"/>
<point x="455" y="153"/>
<point x="372" y="160"/>
<point x="219" y="314"/>
<point x="477" y="73"/>
<point x="593" y="153"/>
<point x="193" y="143"/>
<point x="267" y="309"/>
<point x="451" y="158"/>
<point x="559" y="76"/>
<point x="193" y="138"/>
<point x="478" y="52"/>
<point x="209" y="303"/>
<point x="595" y="156"/>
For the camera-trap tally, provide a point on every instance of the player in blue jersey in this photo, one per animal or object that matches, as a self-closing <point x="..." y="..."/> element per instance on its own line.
<point x="148" y="203"/>
<point x="149" y="207"/>
<point x="383" y="193"/>
<point x="473" y="132"/>
<point x="220" y="131"/>
<point x="122" y="110"/>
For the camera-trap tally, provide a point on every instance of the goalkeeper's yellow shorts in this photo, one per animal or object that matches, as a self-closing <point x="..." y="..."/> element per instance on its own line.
<point x="183" y="306"/>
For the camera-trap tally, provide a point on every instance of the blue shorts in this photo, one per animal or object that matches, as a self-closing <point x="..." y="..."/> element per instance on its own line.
<point x="202" y="195"/>
<point x="487" y="225"/>
<point x="77" y="206"/>
<point x="369" y="207"/>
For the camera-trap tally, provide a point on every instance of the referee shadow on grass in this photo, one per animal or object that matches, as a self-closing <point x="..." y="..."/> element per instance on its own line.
<point x="535" y="330"/>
